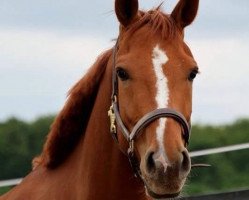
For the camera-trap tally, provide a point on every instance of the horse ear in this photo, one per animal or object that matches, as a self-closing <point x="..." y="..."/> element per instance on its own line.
<point x="126" y="11"/>
<point x="185" y="12"/>
<point x="71" y="122"/>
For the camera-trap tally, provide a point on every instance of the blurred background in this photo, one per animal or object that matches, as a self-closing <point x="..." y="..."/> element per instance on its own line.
<point x="46" y="46"/>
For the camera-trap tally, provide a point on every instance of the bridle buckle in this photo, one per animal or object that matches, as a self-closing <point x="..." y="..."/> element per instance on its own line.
<point x="132" y="159"/>
<point x="131" y="147"/>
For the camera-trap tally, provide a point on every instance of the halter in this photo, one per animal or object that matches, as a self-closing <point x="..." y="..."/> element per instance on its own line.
<point x="115" y="119"/>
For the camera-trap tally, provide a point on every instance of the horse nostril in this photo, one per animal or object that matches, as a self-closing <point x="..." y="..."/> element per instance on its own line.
<point x="185" y="161"/>
<point x="150" y="163"/>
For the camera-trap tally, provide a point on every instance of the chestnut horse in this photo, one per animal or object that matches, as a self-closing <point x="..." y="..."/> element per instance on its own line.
<point x="147" y="77"/>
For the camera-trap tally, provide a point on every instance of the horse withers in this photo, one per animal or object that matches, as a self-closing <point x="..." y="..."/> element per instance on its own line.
<point x="147" y="80"/>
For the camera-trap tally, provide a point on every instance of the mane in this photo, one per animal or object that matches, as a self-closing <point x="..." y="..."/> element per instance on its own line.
<point x="69" y="126"/>
<point x="158" y="21"/>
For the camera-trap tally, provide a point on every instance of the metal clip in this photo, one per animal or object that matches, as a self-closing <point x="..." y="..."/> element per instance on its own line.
<point x="112" y="117"/>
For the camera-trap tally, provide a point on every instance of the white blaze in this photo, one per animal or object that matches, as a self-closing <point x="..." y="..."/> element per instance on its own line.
<point x="159" y="58"/>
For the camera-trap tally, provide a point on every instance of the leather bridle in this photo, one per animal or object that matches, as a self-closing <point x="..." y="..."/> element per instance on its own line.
<point x="115" y="119"/>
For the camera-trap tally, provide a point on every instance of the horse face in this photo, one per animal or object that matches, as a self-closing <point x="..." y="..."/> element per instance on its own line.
<point x="156" y="70"/>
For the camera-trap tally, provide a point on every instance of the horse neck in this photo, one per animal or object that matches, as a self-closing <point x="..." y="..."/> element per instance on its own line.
<point x="106" y="172"/>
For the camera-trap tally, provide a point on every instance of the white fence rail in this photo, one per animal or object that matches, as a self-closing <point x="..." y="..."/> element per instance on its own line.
<point x="219" y="150"/>
<point x="13" y="182"/>
<point x="10" y="182"/>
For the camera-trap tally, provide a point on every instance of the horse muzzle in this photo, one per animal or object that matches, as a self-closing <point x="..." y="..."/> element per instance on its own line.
<point x="163" y="179"/>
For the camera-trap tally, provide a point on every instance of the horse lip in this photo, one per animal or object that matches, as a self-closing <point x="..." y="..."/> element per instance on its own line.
<point x="161" y="196"/>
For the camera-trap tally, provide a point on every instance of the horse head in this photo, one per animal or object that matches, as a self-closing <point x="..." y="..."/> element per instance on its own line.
<point x="155" y="70"/>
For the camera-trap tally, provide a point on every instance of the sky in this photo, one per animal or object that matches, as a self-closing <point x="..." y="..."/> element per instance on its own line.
<point x="46" y="46"/>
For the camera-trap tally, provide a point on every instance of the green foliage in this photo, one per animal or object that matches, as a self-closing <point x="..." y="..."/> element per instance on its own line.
<point x="216" y="136"/>
<point x="229" y="171"/>
<point x="21" y="141"/>
<point x="4" y="190"/>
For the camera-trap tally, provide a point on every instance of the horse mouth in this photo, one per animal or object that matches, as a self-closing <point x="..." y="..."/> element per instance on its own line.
<point x="156" y="196"/>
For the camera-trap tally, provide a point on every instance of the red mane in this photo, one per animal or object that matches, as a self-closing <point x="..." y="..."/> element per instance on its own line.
<point x="71" y="122"/>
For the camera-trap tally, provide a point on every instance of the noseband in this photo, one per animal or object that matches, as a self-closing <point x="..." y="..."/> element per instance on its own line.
<point x="115" y="119"/>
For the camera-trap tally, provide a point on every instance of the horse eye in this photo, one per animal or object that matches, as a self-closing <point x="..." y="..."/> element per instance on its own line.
<point x="122" y="74"/>
<point x="193" y="74"/>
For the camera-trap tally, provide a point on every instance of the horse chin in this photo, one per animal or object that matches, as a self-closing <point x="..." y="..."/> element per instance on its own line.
<point x="165" y="192"/>
<point x="156" y="196"/>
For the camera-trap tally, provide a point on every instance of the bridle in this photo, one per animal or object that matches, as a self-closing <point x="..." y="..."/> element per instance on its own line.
<point x="115" y="119"/>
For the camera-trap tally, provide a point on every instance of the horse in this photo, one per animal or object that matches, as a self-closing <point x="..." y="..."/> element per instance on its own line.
<point x="144" y="83"/>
